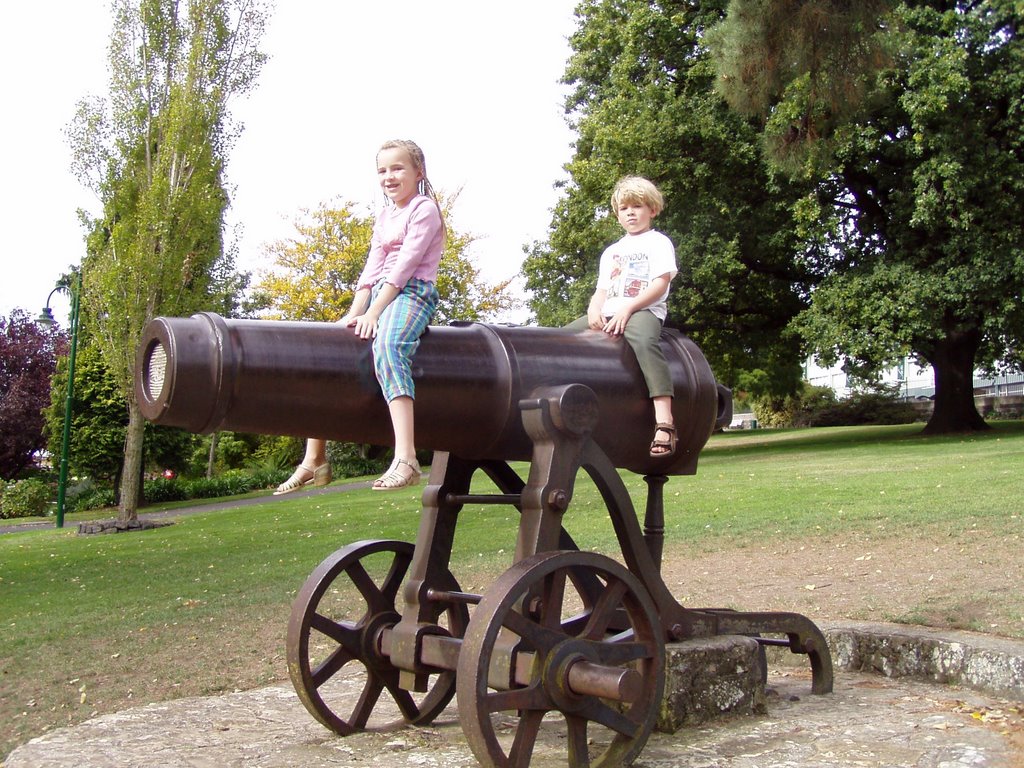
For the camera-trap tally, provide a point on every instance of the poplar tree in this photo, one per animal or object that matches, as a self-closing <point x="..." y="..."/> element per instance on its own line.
<point x="154" y="152"/>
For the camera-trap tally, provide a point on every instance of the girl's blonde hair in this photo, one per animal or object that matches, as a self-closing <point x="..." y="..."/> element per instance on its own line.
<point x="637" y="189"/>
<point x="419" y="162"/>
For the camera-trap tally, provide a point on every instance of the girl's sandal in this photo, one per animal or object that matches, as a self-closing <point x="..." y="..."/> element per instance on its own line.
<point x="396" y="477"/>
<point x="660" y="448"/>
<point x="303" y="476"/>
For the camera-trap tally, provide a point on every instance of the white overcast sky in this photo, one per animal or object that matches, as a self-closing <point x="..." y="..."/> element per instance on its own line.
<point x="474" y="82"/>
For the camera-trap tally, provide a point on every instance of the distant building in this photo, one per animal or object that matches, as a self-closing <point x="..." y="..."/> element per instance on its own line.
<point x="913" y="383"/>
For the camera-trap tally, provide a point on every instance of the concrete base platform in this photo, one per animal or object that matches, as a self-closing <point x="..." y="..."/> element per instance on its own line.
<point x="870" y="721"/>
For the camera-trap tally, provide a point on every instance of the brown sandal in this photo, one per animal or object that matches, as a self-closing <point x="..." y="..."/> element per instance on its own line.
<point x="661" y="448"/>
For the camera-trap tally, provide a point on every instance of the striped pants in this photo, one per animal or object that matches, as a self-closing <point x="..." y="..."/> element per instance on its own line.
<point x="399" y="328"/>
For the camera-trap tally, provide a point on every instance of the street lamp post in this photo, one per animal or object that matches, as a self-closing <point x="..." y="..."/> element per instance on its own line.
<point x="74" y="289"/>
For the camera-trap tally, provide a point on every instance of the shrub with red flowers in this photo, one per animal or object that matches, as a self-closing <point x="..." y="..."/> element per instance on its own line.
<point x="28" y="355"/>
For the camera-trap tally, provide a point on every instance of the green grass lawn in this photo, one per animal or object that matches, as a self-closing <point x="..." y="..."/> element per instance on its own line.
<point x="91" y="624"/>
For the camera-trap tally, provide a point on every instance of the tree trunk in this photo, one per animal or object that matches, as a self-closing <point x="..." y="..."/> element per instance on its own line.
<point x="212" y="456"/>
<point x="953" y="363"/>
<point x="131" y="474"/>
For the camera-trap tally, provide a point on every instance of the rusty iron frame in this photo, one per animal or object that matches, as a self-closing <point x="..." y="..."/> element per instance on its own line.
<point x="408" y="641"/>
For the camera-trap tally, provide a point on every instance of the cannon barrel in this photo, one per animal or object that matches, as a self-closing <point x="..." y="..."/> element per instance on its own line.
<point x="206" y="373"/>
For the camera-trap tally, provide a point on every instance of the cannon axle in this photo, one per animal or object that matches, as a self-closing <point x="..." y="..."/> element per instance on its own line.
<point x="578" y="676"/>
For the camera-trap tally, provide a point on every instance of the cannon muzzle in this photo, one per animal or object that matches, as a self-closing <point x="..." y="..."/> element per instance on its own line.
<point x="206" y="373"/>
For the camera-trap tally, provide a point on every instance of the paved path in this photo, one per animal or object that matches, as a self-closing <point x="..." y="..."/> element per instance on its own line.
<point x="13" y="527"/>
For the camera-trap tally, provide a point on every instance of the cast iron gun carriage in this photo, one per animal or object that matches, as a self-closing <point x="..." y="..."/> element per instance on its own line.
<point x="563" y="630"/>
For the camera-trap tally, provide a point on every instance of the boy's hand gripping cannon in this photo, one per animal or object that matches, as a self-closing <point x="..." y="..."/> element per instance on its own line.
<point x="562" y="630"/>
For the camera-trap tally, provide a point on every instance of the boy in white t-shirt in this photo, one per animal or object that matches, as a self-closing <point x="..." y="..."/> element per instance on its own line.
<point x="630" y="300"/>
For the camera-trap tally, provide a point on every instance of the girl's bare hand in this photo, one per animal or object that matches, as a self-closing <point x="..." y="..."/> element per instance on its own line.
<point x="366" y="326"/>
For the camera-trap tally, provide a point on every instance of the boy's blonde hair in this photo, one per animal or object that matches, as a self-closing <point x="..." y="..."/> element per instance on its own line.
<point x="637" y="189"/>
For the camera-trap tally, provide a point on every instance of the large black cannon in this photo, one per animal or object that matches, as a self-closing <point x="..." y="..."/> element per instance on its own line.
<point x="563" y="630"/>
<point x="316" y="380"/>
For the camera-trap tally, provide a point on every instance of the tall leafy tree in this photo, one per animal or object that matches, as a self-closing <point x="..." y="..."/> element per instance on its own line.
<point x="28" y="356"/>
<point x="913" y="226"/>
<point x="155" y="154"/>
<point x="316" y="271"/>
<point x="643" y="102"/>
<point x="98" y="417"/>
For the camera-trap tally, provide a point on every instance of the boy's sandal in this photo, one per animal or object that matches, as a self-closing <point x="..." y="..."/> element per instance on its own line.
<point x="662" y="447"/>
<point x="303" y="476"/>
<point x="396" y="477"/>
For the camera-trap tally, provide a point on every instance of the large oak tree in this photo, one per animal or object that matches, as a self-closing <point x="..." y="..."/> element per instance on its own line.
<point x="643" y="102"/>
<point x="911" y="124"/>
<point x="861" y="199"/>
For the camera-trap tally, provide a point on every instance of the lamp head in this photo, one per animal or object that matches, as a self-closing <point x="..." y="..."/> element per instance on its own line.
<point x="46" y="317"/>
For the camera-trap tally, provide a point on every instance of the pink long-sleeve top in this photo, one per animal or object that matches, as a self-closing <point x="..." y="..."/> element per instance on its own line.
<point x="407" y="242"/>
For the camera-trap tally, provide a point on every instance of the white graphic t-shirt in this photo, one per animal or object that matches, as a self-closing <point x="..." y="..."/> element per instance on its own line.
<point x="628" y="267"/>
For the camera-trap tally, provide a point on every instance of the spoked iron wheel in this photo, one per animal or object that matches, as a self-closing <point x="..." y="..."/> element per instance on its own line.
<point x="538" y="646"/>
<point x="334" y="656"/>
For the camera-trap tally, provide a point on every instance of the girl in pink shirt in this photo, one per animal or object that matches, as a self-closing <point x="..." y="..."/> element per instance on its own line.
<point x="395" y="299"/>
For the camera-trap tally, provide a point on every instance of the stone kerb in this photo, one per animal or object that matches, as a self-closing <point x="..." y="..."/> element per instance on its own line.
<point x="984" y="663"/>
